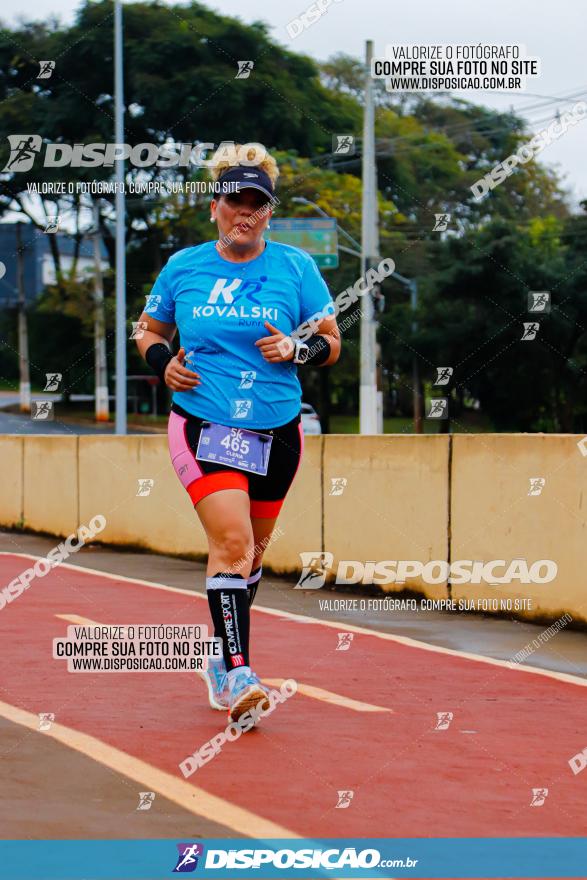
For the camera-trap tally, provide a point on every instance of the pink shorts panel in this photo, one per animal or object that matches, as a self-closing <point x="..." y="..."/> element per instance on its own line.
<point x="182" y="457"/>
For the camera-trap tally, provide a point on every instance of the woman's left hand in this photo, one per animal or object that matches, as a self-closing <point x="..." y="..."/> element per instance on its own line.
<point x="276" y="348"/>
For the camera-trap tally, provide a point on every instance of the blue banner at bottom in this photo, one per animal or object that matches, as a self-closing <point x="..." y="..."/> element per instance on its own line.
<point x="227" y="859"/>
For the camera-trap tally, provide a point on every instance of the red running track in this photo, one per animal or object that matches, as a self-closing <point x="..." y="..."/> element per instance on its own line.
<point x="512" y="730"/>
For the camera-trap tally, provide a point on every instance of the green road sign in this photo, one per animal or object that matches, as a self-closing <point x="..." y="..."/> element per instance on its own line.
<point x="316" y="235"/>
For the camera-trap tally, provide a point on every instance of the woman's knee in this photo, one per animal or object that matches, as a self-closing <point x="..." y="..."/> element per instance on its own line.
<point x="234" y="542"/>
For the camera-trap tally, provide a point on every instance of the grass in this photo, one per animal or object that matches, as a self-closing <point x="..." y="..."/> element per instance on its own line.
<point x="13" y="386"/>
<point x="470" y="422"/>
<point x="76" y="415"/>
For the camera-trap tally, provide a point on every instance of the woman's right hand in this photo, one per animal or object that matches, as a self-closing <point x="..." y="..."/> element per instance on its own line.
<point x="178" y="377"/>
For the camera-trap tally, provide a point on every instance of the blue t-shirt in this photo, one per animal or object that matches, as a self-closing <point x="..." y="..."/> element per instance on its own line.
<point x="220" y="309"/>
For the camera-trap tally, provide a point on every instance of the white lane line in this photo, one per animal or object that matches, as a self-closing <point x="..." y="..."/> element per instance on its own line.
<point x="189" y="797"/>
<point x="307" y="690"/>
<point x="349" y="627"/>
<point x="316" y="693"/>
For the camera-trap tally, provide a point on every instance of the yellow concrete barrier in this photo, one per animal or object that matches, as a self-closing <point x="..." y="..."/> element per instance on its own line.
<point x="441" y="497"/>
<point x="493" y="516"/>
<point x="131" y="482"/>
<point x="51" y="491"/>
<point x="12" y="479"/>
<point x="301" y="516"/>
<point x="394" y="504"/>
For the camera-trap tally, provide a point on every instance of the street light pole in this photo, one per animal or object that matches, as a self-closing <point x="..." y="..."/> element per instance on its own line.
<point x="23" y="339"/>
<point x="121" y="392"/>
<point x="415" y="365"/>
<point x="100" y="370"/>
<point x="368" y="412"/>
<point x="410" y="283"/>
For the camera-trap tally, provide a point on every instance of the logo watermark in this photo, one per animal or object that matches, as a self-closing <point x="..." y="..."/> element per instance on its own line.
<point x="416" y="67"/>
<point x="541" y="639"/>
<point x="42" y="410"/>
<point x="344" y="300"/>
<point x="138" y="329"/>
<point x="539" y="301"/>
<point x="343" y="145"/>
<point x="526" y="152"/>
<point x="443" y="375"/>
<point x="539" y="795"/>
<point x="306" y="19"/>
<point x="46" y="719"/>
<point x="530" y="331"/>
<point x="344" y="799"/>
<point x="245" y="68"/>
<point x="441" y="222"/>
<point x="337" y="485"/>
<point x="235" y="729"/>
<point x="146" y="799"/>
<point x="317" y="564"/>
<point x="54" y="557"/>
<point x="438" y="408"/>
<point x="188" y="856"/>
<point x="255" y="217"/>
<point x="52" y="381"/>
<point x="344" y="641"/>
<point x="537" y="484"/>
<point x="578" y="762"/>
<point x="24" y="149"/>
<point x="46" y="69"/>
<point x="443" y="720"/>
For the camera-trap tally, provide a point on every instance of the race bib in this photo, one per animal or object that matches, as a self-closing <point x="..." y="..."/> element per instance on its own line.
<point x="235" y="447"/>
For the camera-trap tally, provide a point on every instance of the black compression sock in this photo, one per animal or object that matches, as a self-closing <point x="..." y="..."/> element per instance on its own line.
<point x="253" y="582"/>
<point x="229" y="607"/>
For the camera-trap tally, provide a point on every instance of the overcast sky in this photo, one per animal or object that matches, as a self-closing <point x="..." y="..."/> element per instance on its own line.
<point x="553" y="30"/>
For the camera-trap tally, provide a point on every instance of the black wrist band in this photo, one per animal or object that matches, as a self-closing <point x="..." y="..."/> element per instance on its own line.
<point x="319" y="350"/>
<point x="158" y="356"/>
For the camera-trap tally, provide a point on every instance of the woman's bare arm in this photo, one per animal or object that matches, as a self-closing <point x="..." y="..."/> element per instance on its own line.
<point x="154" y="331"/>
<point x="177" y="377"/>
<point x="328" y="328"/>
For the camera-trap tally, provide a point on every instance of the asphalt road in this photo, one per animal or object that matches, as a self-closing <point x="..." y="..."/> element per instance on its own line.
<point x="496" y="637"/>
<point x="363" y="719"/>
<point x="11" y="423"/>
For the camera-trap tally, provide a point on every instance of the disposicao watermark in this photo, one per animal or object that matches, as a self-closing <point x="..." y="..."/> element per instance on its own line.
<point x="25" y="148"/>
<point x="541" y="639"/>
<point x="247" y="224"/>
<point x="344" y="300"/>
<point x="306" y="19"/>
<point x="316" y="565"/>
<point x="528" y="151"/>
<point x="440" y="67"/>
<point x="54" y="557"/>
<point x="135" y="648"/>
<point x="236" y="728"/>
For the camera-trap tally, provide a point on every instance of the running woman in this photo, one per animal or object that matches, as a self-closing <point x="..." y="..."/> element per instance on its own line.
<point x="235" y="434"/>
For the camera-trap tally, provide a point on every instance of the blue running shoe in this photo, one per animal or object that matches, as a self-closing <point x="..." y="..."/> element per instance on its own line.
<point x="216" y="681"/>
<point x="245" y="692"/>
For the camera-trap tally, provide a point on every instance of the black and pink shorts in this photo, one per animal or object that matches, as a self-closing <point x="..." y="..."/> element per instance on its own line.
<point x="202" y="478"/>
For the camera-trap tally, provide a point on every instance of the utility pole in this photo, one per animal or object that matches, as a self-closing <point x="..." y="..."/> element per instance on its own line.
<point x="120" y="228"/>
<point x="415" y="366"/>
<point x="23" y="337"/>
<point x="368" y="398"/>
<point x="100" y="372"/>
<point x="412" y="285"/>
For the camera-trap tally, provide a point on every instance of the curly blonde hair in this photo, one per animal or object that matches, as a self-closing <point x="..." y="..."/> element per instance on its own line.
<point x="267" y="164"/>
